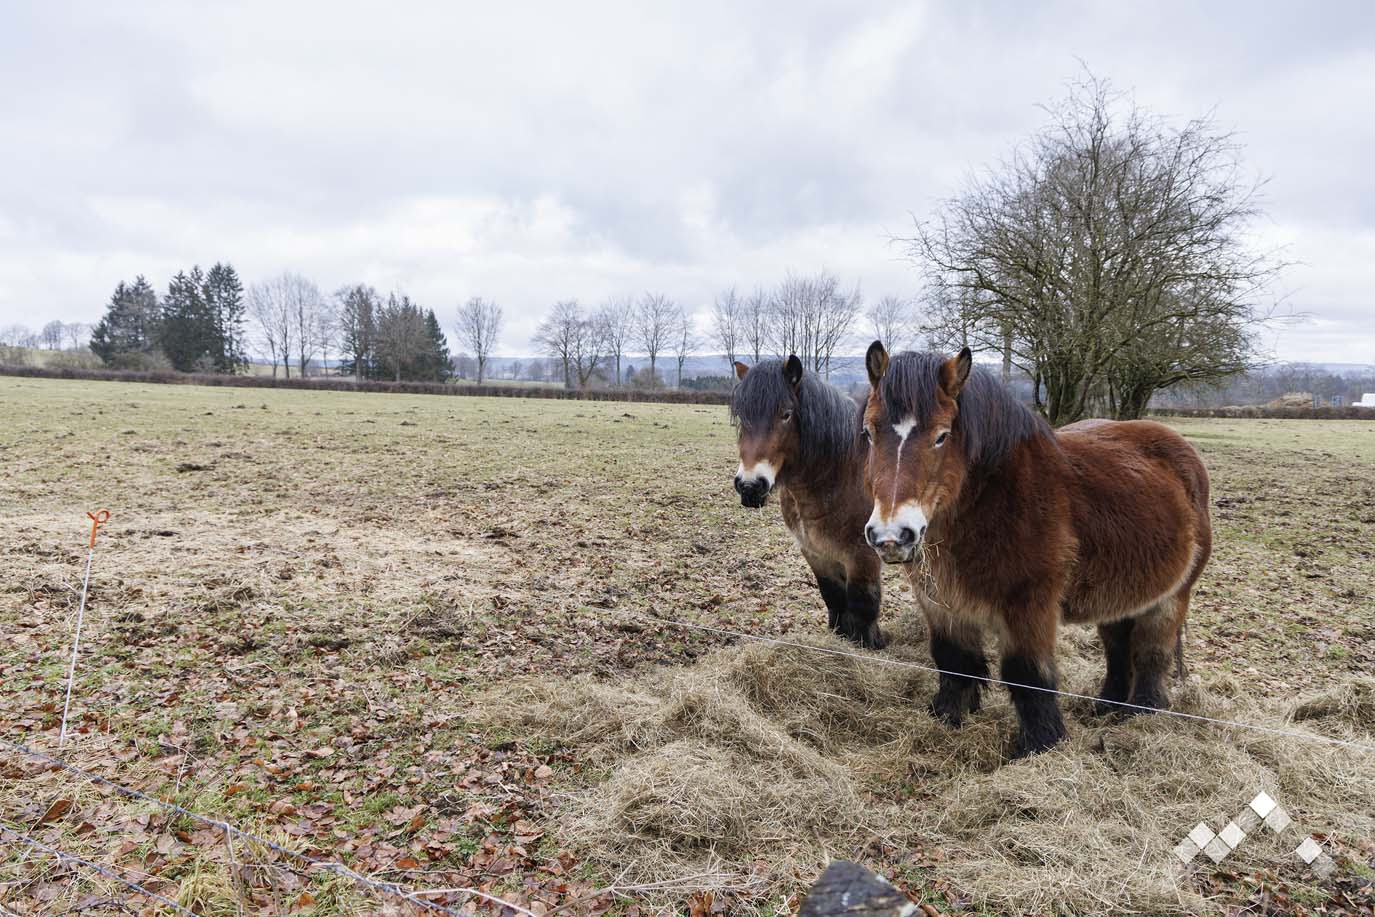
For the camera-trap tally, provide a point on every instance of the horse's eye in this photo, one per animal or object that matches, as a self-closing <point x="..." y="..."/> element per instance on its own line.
<point x="787" y="416"/>
<point x="940" y="440"/>
<point x="864" y="432"/>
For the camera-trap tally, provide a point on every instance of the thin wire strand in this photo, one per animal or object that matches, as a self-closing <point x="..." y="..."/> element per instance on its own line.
<point x="337" y="868"/>
<point x="1288" y="733"/>
<point x="108" y="873"/>
<point x="76" y="645"/>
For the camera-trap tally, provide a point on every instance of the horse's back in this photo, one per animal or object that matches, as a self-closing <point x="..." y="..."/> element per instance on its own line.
<point x="1102" y="447"/>
<point x="1140" y="507"/>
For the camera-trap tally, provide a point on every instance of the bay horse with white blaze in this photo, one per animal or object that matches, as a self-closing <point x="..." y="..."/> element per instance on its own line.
<point x="799" y="436"/>
<point x="1019" y="527"/>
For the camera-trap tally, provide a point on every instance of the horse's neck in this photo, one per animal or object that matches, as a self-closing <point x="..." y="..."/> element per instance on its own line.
<point x="814" y="486"/>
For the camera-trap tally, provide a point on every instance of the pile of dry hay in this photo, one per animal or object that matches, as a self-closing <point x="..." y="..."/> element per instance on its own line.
<point x="761" y="761"/>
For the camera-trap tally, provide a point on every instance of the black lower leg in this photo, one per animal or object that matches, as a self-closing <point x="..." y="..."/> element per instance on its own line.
<point x="1154" y="645"/>
<point x="1152" y="668"/>
<point x="860" y="620"/>
<point x="833" y="594"/>
<point x="1117" y="654"/>
<point x="956" y="696"/>
<point x="1038" y="715"/>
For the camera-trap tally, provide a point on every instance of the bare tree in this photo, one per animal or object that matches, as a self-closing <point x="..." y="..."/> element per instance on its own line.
<point x="618" y="318"/>
<point x="654" y="325"/>
<point x="727" y="320"/>
<point x="575" y="341"/>
<point x="51" y="335"/>
<point x="754" y="323"/>
<point x="479" y="326"/>
<point x="811" y="316"/>
<point x="269" y="306"/>
<point x="589" y="348"/>
<point x="685" y="341"/>
<point x="556" y="333"/>
<point x="894" y="322"/>
<point x="1106" y="243"/>
<point x="330" y="332"/>
<point x="306" y="307"/>
<point x="19" y="336"/>
<point x="76" y="335"/>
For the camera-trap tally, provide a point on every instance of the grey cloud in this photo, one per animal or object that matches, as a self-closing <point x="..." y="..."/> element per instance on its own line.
<point x="528" y="153"/>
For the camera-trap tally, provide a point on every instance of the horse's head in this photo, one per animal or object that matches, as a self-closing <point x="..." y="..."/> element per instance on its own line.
<point x="764" y="407"/>
<point x="916" y="463"/>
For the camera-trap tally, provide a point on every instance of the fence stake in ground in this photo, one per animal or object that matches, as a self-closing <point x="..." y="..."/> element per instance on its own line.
<point x="98" y="518"/>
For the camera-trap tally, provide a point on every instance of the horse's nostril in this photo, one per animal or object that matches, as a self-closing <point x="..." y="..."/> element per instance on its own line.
<point x="906" y="536"/>
<point x="869" y="535"/>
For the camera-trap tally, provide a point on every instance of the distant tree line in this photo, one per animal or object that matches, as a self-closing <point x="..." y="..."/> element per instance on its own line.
<point x="813" y="316"/>
<point x="1105" y="263"/>
<point x="196" y="326"/>
<point x="1296" y="384"/>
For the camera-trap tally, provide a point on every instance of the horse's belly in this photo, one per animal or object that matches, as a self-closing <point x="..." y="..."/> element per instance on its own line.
<point x="1114" y="588"/>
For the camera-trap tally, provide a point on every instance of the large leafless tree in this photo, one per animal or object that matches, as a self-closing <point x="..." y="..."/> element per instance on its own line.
<point x="727" y="321"/>
<point x="811" y="316"/>
<point x="754" y="324"/>
<point x="894" y="321"/>
<point x="684" y="342"/>
<point x="576" y="341"/>
<point x="479" y="327"/>
<point x="655" y="320"/>
<point x="1107" y="258"/>
<point x="617" y="316"/>
<point x="271" y="308"/>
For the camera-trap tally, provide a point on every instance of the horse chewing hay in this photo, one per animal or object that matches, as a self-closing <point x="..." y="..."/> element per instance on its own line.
<point x="1101" y="522"/>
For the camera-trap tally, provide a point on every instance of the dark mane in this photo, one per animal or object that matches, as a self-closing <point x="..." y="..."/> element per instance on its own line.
<point x="828" y="420"/>
<point x="991" y="420"/>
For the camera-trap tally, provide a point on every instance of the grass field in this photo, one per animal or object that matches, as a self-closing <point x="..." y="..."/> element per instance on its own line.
<point x="378" y="628"/>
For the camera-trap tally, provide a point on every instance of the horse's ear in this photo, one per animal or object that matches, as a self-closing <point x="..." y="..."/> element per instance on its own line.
<point x="792" y="371"/>
<point x="876" y="361"/>
<point x="740" y="369"/>
<point x="955" y="372"/>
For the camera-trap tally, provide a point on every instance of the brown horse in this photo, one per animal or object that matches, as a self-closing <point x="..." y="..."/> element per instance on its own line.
<point x="799" y="436"/>
<point x="1013" y="527"/>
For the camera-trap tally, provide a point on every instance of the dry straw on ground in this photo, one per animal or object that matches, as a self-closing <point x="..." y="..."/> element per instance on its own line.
<point x="760" y="761"/>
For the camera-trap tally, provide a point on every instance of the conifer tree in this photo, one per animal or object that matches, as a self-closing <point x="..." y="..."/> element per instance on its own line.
<point x="189" y="336"/>
<point x="223" y="294"/>
<point x="128" y="335"/>
<point x="436" y="365"/>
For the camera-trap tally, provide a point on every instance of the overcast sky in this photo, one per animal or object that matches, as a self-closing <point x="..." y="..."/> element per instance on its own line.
<point x="528" y="153"/>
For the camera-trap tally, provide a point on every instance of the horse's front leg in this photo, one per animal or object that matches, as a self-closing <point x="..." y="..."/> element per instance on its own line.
<point x="957" y="650"/>
<point x="833" y="594"/>
<point x="1117" y="681"/>
<point x="1028" y="666"/>
<point x="863" y="599"/>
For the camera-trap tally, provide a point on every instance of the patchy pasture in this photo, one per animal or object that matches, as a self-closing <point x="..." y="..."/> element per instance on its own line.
<point x="410" y="633"/>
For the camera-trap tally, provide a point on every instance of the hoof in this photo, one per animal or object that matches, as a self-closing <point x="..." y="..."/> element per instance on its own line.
<point x="873" y="639"/>
<point x="949" y="711"/>
<point x="1150" y="702"/>
<point x="1027" y="746"/>
<point x="1111" y="707"/>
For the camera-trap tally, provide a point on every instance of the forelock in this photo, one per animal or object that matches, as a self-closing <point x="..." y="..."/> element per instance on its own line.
<point x="991" y="421"/>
